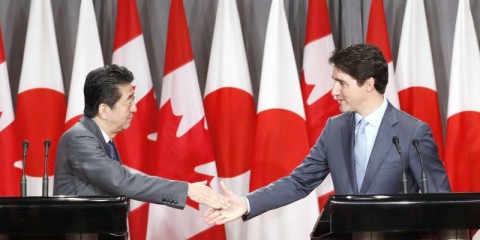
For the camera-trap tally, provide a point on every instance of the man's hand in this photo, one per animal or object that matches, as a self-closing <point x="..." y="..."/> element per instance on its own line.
<point x="201" y="193"/>
<point x="238" y="207"/>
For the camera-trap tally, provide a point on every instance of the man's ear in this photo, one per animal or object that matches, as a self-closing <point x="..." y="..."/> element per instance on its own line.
<point x="103" y="110"/>
<point x="370" y="84"/>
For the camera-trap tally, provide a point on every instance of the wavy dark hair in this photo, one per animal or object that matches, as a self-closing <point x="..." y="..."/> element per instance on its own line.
<point x="101" y="86"/>
<point x="362" y="61"/>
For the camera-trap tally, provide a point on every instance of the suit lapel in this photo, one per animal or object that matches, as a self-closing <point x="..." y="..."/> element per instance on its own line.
<point x="348" y="136"/>
<point x="93" y="127"/>
<point x="382" y="144"/>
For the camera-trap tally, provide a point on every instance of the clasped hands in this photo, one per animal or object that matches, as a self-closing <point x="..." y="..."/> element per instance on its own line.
<point x="237" y="207"/>
<point x="223" y="209"/>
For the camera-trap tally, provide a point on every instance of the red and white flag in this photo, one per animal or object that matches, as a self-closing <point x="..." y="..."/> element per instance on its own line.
<point x="41" y="102"/>
<point x="463" y="131"/>
<point x="415" y="74"/>
<point x="281" y="140"/>
<point x="317" y="80"/>
<point x="377" y="34"/>
<point x="88" y="56"/>
<point x="10" y="146"/>
<point x="229" y="106"/>
<point x="133" y="144"/>
<point x="184" y="151"/>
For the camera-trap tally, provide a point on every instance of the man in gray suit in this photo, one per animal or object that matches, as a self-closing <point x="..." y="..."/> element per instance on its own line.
<point x="360" y="74"/>
<point x="88" y="163"/>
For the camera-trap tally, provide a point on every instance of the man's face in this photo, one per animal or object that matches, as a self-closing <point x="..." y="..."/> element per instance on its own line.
<point x="346" y="91"/>
<point x="120" y="116"/>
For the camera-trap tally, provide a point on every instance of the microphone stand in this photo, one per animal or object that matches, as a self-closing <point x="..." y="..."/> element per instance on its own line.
<point x="23" y="181"/>
<point x="404" y="175"/>
<point x="45" y="175"/>
<point x="424" y="176"/>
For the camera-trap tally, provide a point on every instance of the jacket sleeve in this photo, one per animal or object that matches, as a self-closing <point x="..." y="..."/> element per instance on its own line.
<point x="89" y="161"/>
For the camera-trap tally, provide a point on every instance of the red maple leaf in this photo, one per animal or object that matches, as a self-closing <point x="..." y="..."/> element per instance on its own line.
<point x="179" y="156"/>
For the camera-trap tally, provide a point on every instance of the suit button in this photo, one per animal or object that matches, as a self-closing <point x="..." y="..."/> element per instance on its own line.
<point x="163" y="199"/>
<point x="175" y="201"/>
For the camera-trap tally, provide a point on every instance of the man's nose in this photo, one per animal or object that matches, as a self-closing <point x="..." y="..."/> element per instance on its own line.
<point x="134" y="107"/>
<point x="335" y="89"/>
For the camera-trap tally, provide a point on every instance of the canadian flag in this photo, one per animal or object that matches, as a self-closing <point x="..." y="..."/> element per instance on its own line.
<point x="281" y="140"/>
<point x="88" y="56"/>
<point x="317" y="80"/>
<point x="463" y="131"/>
<point x="415" y="74"/>
<point x="229" y="106"/>
<point x="184" y="151"/>
<point x="377" y="34"/>
<point x="133" y="144"/>
<point x="41" y="102"/>
<point x="10" y="146"/>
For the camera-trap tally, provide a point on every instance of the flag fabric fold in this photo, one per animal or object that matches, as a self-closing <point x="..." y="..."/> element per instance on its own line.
<point x="415" y="74"/>
<point x="316" y="80"/>
<point x="229" y="106"/>
<point x="88" y="56"/>
<point x="184" y="151"/>
<point x="41" y="104"/>
<point x="463" y="113"/>
<point x="281" y="140"/>
<point x="134" y="145"/>
<point x="463" y="132"/>
<point x="10" y="145"/>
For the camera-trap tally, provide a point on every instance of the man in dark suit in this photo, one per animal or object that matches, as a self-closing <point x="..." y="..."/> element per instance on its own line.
<point x="355" y="147"/>
<point x="88" y="163"/>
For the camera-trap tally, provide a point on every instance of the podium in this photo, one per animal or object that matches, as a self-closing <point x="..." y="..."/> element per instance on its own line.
<point x="402" y="216"/>
<point x="55" y="217"/>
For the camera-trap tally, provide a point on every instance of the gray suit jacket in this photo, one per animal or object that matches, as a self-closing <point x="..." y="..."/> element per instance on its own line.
<point x="83" y="168"/>
<point x="333" y="153"/>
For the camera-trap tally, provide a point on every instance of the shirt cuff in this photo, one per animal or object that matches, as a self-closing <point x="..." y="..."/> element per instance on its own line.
<point x="248" y="205"/>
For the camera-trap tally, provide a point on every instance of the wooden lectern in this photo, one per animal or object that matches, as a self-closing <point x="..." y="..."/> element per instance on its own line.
<point x="55" y="217"/>
<point x="402" y="216"/>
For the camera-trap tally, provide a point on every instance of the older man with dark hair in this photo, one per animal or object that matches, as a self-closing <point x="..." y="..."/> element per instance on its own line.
<point x="88" y="163"/>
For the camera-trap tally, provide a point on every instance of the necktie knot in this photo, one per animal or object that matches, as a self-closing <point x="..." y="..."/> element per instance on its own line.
<point x="361" y="125"/>
<point x="111" y="150"/>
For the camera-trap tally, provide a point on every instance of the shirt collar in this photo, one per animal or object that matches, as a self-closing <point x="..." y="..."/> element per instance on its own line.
<point x="104" y="134"/>
<point x="374" y="118"/>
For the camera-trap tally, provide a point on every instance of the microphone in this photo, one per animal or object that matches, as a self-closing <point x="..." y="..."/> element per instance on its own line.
<point x="424" y="176"/>
<point x="23" y="181"/>
<point x="45" y="175"/>
<point x="404" y="175"/>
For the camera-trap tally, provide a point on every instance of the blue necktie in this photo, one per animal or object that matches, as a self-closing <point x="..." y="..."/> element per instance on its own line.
<point x="360" y="151"/>
<point x="111" y="150"/>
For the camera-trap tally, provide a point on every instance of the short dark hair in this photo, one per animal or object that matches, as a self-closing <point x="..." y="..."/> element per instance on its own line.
<point x="362" y="61"/>
<point x="101" y="86"/>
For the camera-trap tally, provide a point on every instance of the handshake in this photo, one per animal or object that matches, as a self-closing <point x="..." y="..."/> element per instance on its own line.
<point x="223" y="208"/>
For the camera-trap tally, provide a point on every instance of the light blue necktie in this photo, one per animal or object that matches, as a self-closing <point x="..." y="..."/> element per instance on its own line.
<point x="360" y="151"/>
<point x="111" y="150"/>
